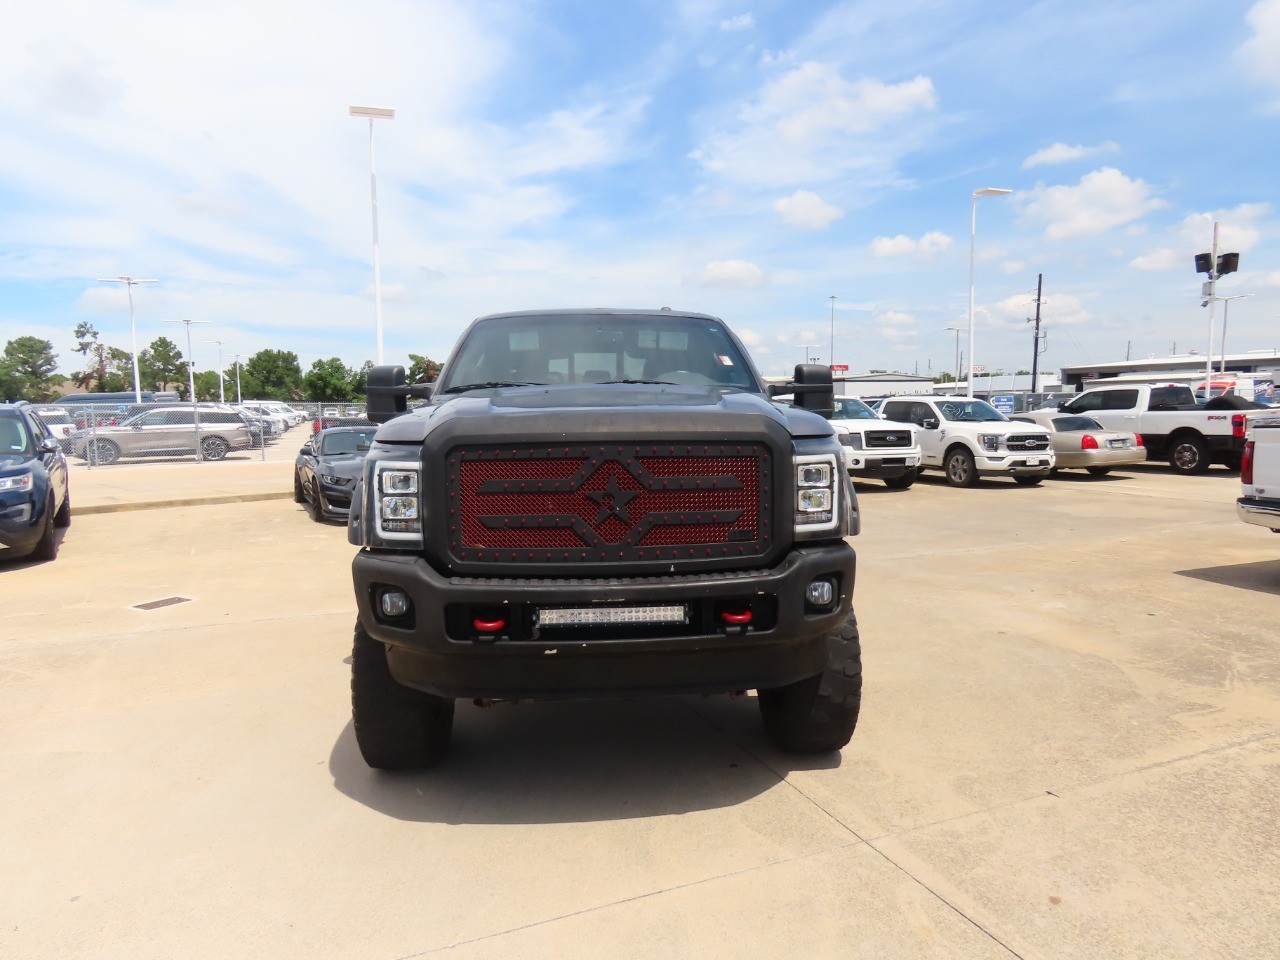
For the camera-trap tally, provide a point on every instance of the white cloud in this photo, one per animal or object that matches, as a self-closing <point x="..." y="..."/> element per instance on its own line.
<point x="743" y="21"/>
<point x="728" y="273"/>
<point x="807" y="210"/>
<point x="750" y="337"/>
<point x="1271" y="279"/>
<point x="1237" y="228"/>
<point x="1163" y="259"/>
<point x="894" y="318"/>
<point x="1010" y="267"/>
<point x="1262" y="51"/>
<point x="927" y="247"/>
<point x="811" y="124"/>
<point x="1061" y="153"/>
<point x="1101" y="201"/>
<point x="1014" y="311"/>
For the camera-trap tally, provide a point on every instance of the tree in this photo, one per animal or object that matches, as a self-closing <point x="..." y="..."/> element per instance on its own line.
<point x="421" y="369"/>
<point x="328" y="380"/>
<point x="944" y="377"/>
<point x="32" y="363"/>
<point x="272" y="375"/>
<point x="206" y="385"/>
<point x="160" y="365"/>
<point x="360" y="379"/>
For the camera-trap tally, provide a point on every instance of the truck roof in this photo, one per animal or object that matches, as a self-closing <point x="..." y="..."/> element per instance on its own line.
<point x="602" y="311"/>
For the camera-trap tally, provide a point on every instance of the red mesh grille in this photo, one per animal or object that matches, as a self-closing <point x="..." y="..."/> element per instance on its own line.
<point x="609" y="503"/>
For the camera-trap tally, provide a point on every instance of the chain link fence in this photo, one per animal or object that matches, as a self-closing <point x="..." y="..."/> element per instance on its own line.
<point x="113" y="433"/>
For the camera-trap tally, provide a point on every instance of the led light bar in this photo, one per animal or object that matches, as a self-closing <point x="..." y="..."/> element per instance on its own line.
<point x="591" y="616"/>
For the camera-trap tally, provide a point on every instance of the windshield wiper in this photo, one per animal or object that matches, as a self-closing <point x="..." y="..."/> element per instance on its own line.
<point x="665" y="383"/>
<point x="492" y="385"/>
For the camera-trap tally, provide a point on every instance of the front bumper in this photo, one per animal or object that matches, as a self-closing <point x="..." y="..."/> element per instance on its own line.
<point x="1018" y="464"/>
<point x="1263" y="513"/>
<point x="431" y="650"/>
<point x="864" y="463"/>
<point x="21" y="524"/>
<point x="1124" y="457"/>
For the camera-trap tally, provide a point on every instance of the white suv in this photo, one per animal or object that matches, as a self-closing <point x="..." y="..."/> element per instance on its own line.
<point x="968" y="438"/>
<point x="874" y="449"/>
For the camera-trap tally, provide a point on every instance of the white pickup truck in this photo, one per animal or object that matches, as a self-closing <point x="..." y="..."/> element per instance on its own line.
<point x="967" y="439"/>
<point x="874" y="449"/>
<point x="1190" y="436"/>
<point x="1260" y="473"/>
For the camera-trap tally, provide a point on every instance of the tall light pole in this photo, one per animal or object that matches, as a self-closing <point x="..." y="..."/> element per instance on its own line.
<point x="806" y="347"/>
<point x="129" y="284"/>
<point x="237" y="363"/>
<point x="222" y="398"/>
<point x="958" y="331"/>
<point x="833" y="331"/>
<point x="973" y="233"/>
<point x="1226" y="305"/>
<point x="191" y="382"/>
<point x="374" y="113"/>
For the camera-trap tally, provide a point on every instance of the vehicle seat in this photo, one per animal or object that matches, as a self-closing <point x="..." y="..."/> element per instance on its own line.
<point x="596" y="376"/>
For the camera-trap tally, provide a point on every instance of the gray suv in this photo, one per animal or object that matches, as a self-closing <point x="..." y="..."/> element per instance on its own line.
<point x="167" y="430"/>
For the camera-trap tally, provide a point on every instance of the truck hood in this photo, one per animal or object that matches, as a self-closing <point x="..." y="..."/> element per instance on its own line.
<point x="533" y="408"/>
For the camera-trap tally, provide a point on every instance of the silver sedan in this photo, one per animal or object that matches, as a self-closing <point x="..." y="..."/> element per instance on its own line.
<point x="1083" y="443"/>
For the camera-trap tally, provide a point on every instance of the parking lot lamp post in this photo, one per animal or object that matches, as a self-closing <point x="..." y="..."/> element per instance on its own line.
<point x="958" y="331"/>
<point x="222" y="397"/>
<point x="973" y="232"/>
<point x="237" y="363"/>
<point x="129" y="284"/>
<point x="374" y="113"/>
<point x="191" y="381"/>
<point x="1226" y="306"/>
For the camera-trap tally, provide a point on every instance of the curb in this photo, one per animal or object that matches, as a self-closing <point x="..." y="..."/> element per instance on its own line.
<point x="81" y="511"/>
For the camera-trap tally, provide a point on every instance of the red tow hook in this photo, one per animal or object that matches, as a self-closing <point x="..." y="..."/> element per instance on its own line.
<point x="488" y="626"/>
<point x="736" y="619"/>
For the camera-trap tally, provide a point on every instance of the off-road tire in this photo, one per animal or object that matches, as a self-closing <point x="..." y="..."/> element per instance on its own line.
<point x="214" y="448"/>
<point x="101" y="452"/>
<point x="1025" y="481"/>
<point x="46" y="547"/>
<point x="902" y="482"/>
<point x="819" y="714"/>
<point x="1189" y="454"/>
<point x="397" y="728"/>
<point x="1099" y="471"/>
<point x="299" y="495"/>
<point x="960" y="468"/>
<point x="63" y="517"/>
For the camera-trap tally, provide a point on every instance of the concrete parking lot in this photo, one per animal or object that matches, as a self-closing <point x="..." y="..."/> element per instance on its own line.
<point x="1068" y="748"/>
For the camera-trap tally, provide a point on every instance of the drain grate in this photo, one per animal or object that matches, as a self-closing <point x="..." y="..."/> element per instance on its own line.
<point x="157" y="604"/>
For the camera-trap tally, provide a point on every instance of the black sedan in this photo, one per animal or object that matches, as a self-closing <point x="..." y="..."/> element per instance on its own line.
<point x="34" y="496"/>
<point x="328" y="467"/>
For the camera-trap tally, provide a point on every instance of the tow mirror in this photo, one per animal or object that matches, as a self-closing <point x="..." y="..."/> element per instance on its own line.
<point x="929" y="423"/>
<point x="811" y="388"/>
<point x="388" y="393"/>
<point x="1062" y="405"/>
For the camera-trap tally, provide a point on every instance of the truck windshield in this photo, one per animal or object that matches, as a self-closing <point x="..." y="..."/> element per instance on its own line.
<point x="597" y="348"/>
<point x="851" y="408"/>
<point x="970" y="411"/>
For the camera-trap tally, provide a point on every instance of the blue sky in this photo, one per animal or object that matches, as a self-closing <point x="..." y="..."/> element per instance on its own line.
<point x="748" y="160"/>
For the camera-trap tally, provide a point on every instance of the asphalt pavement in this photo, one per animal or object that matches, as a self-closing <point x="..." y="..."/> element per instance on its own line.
<point x="1069" y="747"/>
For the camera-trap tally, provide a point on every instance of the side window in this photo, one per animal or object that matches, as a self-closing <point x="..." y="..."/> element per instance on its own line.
<point x="898" y="410"/>
<point x="1088" y="402"/>
<point x="1120" y="399"/>
<point x="920" y="412"/>
<point x="39" y="429"/>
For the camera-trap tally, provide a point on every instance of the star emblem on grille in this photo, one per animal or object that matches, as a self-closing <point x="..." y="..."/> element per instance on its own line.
<point x="613" y="501"/>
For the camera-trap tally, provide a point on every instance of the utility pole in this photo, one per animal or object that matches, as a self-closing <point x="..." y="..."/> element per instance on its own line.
<point x="1035" y="341"/>
<point x="832" y="361"/>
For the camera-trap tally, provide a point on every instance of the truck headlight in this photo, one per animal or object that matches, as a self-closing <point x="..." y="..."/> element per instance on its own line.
<point x="851" y="440"/>
<point x="990" y="442"/>
<point x="397" y="508"/>
<point x="21" y="482"/>
<point x="816" y="492"/>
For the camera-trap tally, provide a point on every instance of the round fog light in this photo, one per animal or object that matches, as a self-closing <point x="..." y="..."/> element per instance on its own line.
<point x="820" y="593"/>
<point x="393" y="603"/>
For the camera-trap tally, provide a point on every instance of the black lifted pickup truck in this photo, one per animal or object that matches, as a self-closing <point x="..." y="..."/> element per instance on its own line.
<point x="601" y="503"/>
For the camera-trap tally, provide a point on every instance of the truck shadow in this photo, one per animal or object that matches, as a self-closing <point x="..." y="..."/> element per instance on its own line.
<point x="580" y="761"/>
<point x="1262" y="576"/>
